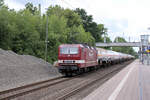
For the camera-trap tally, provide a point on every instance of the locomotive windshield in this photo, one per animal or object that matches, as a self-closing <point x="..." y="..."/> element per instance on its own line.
<point x="69" y="50"/>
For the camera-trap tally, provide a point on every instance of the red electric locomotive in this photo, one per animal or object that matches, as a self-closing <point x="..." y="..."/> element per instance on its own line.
<point x="72" y="58"/>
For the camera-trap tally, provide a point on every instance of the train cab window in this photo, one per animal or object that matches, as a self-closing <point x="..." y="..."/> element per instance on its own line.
<point x="73" y="50"/>
<point x="69" y="50"/>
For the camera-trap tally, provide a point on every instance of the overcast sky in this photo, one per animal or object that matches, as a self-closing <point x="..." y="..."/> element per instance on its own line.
<point x="126" y="18"/>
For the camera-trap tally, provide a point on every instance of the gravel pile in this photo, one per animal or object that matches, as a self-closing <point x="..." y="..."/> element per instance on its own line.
<point x="17" y="70"/>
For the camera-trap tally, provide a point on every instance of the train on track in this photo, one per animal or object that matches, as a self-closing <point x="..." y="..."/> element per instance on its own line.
<point x="79" y="58"/>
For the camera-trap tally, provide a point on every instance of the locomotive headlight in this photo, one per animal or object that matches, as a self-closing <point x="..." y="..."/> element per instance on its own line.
<point x="60" y="61"/>
<point x="80" y="61"/>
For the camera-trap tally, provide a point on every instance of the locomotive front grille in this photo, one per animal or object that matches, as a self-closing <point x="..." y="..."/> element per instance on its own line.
<point x="68" y="61"/>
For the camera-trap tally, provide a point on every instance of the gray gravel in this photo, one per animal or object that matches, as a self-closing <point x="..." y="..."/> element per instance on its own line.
<point x="17" y="70"/>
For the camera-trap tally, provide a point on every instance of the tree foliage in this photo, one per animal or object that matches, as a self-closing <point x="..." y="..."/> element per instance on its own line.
<point x="31" y="8"/>
<point x="1" y="3"/>
<point x="96" y="30"/>
<point x="24" y="31"/>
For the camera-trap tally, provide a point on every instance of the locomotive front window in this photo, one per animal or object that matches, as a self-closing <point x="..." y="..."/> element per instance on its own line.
<point x="69" y="50"/>
<point x="73" y="50"/>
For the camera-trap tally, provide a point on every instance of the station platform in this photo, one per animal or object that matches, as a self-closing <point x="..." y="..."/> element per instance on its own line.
<point x="131" y="83"/>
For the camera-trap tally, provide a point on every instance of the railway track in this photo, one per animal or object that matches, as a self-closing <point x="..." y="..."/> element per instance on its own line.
<point x="59" y="88"/>
<point x="77" y="88"/>
<point x="23" y="90"/>
<point x="83" y="85"/>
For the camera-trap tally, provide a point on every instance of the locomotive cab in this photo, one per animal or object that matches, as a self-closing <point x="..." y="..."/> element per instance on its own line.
<point x="69" y="58"/>
<point x="76" y="58"/>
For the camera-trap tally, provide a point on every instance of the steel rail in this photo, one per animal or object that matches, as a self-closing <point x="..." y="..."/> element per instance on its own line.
<point x="23" y="90"/>
<point x="86" y="84"/>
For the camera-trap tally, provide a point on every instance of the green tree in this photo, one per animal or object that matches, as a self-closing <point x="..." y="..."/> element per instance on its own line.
<point x="5" y="25"/>
<point x="74" y="23"/>
<point x="57" y="34"/>
<point x="90" y="26"/>
<point x="31" y="8"/>
<point x="73" y="18"/>
<point x="78" y="35"/>
<point x="56" y="10"/>
<point x="1" y="3"/>
<point x="24" y="31"/>
<point x="28" y="36"/>
<point x="86" y="19"/>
